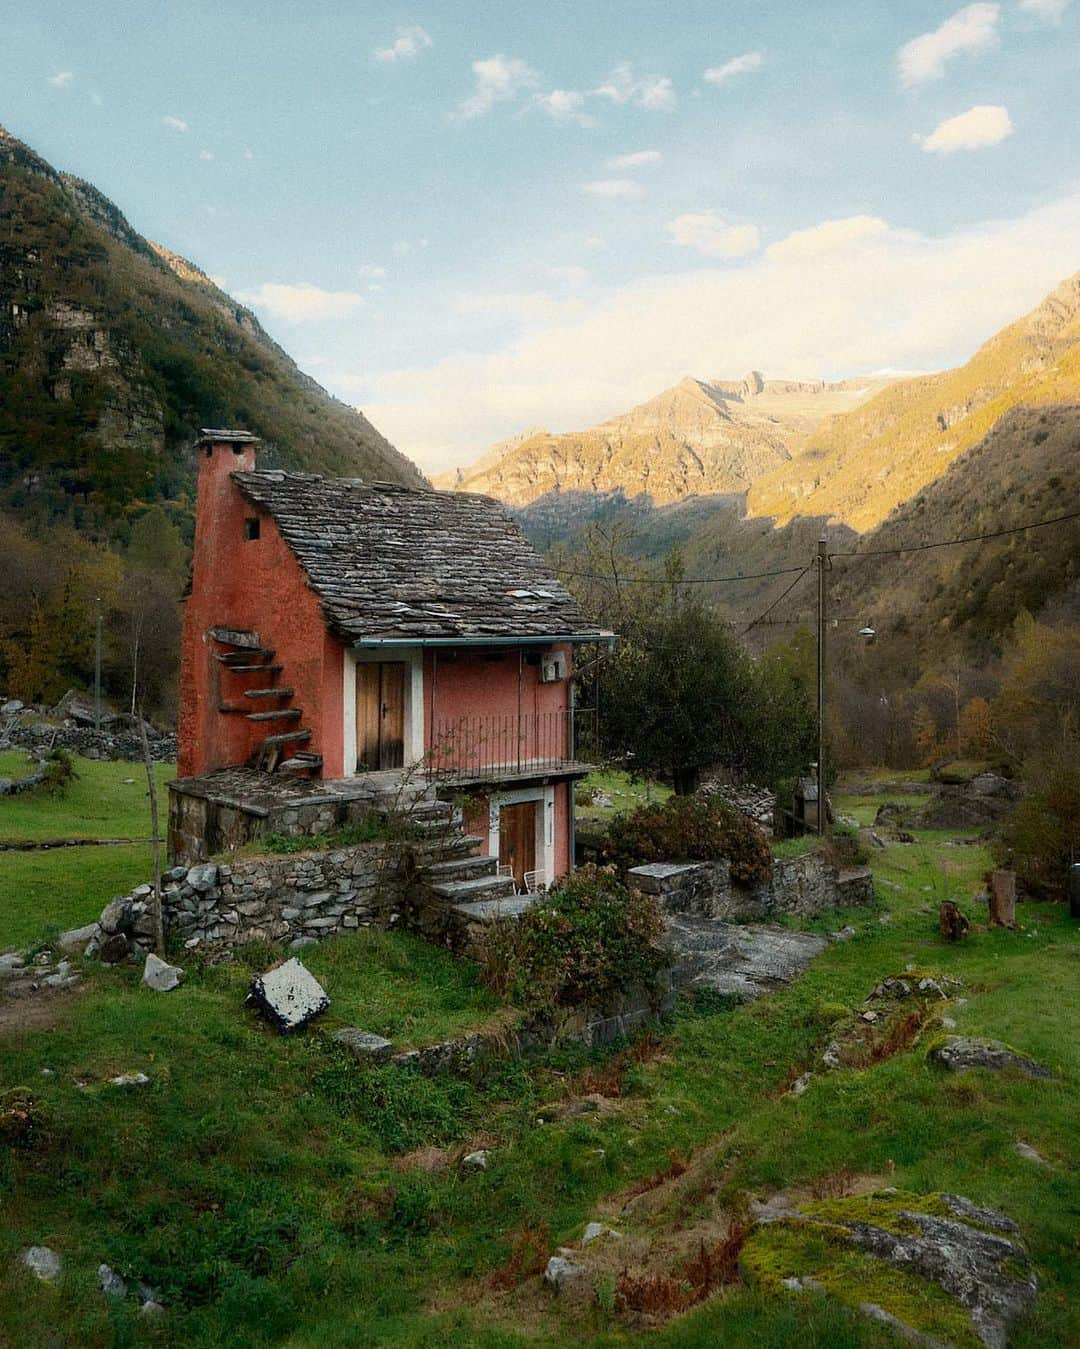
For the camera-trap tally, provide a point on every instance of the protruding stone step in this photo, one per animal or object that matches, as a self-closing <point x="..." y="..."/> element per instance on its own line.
<point x="301" y="763"/>
<point x="246" y="657"/>
<point x="278" y="714"/>
<point x="256" y="669"/>
<point x="286" y="737"/>
<point x="488" y="910"/>
<point x="283" y="692"/>
<point x="480" y="887"/>
<point x="461" y="869"/>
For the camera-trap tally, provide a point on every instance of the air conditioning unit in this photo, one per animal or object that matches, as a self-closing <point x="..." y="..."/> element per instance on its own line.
<point x="552" y="667"/>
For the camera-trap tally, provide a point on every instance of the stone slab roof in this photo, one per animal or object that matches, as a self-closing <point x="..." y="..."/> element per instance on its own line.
<point x="399" y="564"/>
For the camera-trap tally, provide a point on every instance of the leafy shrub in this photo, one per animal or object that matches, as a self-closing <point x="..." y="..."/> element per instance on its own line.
<point x="59" y="772"/>
<point x="690" y="828"/>
<point x="1042" y="837"/>
<point x="23" y="1120"/>
<point x="583" y="942"/>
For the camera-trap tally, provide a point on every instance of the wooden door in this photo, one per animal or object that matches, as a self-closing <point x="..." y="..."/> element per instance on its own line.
<point x="517" y="839"/>
<point x="380" y="715"/>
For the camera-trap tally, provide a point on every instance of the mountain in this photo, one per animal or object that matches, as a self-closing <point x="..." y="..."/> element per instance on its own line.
<point x="858" y="466"/>
<point x="115" y="350"/>
<point x="698" y="437"/>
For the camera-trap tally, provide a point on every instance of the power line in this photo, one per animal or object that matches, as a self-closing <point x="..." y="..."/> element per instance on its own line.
<point x="682" y="581"/>
<point x="949" y="543"/>
<point x="782" y="596"/>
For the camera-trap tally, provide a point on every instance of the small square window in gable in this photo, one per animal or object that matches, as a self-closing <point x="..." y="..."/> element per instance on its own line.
<point x="251" y="527"/>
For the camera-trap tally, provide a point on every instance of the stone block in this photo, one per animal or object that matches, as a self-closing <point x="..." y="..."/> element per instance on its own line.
<point x="365" y="1046"/>
<point x="161" y="976"/>
<point x="288" y="995"/>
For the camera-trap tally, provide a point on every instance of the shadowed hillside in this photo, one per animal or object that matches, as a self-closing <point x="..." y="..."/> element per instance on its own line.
<point x="114" y="351"/>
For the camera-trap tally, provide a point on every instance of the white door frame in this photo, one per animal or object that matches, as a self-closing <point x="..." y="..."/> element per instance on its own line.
<point x="545" y="824"/>
<point x="413" y="657"/>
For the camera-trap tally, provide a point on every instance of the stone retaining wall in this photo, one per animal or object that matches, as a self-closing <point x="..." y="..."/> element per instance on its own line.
<point x="91" y="744"/>
<point x="278" y="899"/>
<point x="799" y="885"/>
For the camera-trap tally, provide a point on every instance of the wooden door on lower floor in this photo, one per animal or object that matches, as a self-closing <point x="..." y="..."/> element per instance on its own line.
<point x="380" y="715"/>
<point x="517" y="839"/>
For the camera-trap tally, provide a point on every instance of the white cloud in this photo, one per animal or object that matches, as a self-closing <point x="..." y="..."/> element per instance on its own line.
<point x="613" y="188"/>
<point x="831" y="236"/>
<point x="524" y="306"/>
<point x="972" y="29"/>
<point x="408" y="42"/>
<point x="986" y="124"/>
<point x="302" y="303"/>
<point x="1051" y="10"/>
<point x="639" y="159"/>
<point x="738" y="65"/>
<point x="175" y="123"/>
<point x="61" y="79"/>
<point x="710" y="234"/>
<point x="903" y="300"/>
<point x="565" y="105"/>
<point x="569" y="276"/>
<point x="654" y="92"/>
<point x="497" y="79"/>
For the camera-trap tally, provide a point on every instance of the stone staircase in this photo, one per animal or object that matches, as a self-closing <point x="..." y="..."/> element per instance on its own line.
<point x="460" y="890"/>
<point x="248" y="680"/>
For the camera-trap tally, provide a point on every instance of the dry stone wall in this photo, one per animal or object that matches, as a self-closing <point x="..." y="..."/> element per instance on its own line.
<point x="799" y="885"/>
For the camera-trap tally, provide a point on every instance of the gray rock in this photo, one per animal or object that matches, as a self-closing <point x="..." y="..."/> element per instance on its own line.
<point x="112" y="1285"/>
<point x="77" y="938"/>
<point x="561" y="1272"/>
<point x="151" y="1308"/>
<point x="288" y="995"/>
<point x="298" y="943"/>
<point x="130" y="1080"/>
<point x="844" y="934"/>
<point x="476" y="1160"/>
<point x="831" y="1055"/>
<point x="116" y="916"/>
<point x="960" y="1052"/>
<point x="743" y="960"/>
<point x="597" y="1231"/>
<point x="905" y="1332"/>
<point x="363" y="1044"/>
<point x="801" y="1083"/>
<point x="203" y="876"/>
<point x="161" y="976"/>
<point x="43" y="1261"/>
<point x="12" y="706"/>
<point x="1029" y="1153"/>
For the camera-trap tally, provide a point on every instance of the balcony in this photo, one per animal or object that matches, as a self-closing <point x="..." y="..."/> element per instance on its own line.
<point x="499" y="748"/>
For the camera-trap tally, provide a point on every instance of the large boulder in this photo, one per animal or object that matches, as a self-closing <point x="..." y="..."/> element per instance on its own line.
<point x="160" y="975"/>
<point x="960" y="1052"/>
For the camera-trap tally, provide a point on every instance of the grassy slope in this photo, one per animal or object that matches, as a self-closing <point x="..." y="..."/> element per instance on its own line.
<point x="106" y="800"/>
<point x="252" y="1184"/>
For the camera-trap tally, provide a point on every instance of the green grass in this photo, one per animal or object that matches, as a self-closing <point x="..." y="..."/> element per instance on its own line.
<point x="107" y="800"/>
<point x="45" y="892"/>
<point x="626" y="794"/>
<point x="255" y="1180"/>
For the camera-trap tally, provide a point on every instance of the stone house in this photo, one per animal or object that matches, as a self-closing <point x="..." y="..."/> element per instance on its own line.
<point x="342" y="633"/>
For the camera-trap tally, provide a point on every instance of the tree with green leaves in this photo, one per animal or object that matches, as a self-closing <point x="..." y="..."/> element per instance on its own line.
<point x="681" y="695"/>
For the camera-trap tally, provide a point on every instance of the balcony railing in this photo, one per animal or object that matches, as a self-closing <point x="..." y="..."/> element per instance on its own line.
<point x="487" y="748"/>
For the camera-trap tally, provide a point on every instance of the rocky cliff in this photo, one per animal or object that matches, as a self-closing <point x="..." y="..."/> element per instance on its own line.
<point x="699" y="437"/>
<point x="114" y="351"/>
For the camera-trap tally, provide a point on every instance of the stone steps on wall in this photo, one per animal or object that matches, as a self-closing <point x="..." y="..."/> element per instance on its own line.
<point x="461" y="869"/>
<point x="283" y="691"/>
<point x="247" y="656"/>
<point x="278" y="714"/>
<point x="489" y="910"/>
<point x="256" y="669"/>
<point x="301" y="763"/>
<point x="479" y="888"/>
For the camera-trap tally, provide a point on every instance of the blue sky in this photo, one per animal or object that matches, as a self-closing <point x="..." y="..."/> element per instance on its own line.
<point x="470" y="218"/>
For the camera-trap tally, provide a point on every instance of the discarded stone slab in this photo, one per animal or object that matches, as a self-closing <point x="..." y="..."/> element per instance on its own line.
<point x="112" y="1285"/>
<point x="960" y="1052"/>
<point x="741" y="960"/>
<point x="288" y="995"/>
<point x="43" y="1261"/>
<point x="561" y="1272"/>
<point x="160" y="975"/>
<point x="78" y="938"/>
<point x="365" y="1046"/>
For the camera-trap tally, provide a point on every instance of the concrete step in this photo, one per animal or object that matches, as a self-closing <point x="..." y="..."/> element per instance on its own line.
<point x="487" y="910"/>
<point x="461" y="869"/>
<point x="480" y="887"/>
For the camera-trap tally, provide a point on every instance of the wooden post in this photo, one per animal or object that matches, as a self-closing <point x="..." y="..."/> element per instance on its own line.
<point x="159" y="916"/>
<point x="1003" y="898"/>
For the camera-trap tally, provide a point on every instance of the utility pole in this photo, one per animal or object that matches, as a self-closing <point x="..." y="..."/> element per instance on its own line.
<point x="97" y="668"/>
<point x="822" y="561"/>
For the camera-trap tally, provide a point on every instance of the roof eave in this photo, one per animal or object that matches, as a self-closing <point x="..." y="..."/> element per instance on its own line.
<point x="575" y="638"/>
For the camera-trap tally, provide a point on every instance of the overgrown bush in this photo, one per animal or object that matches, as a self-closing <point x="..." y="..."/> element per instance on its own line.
<point x="1042" y="837"/>
<point x="59" y="772"/>
<point x="585" y="941"/>
<point x="23" y="1120"/>
<point x="690" y="828"/>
